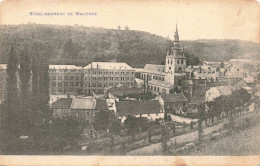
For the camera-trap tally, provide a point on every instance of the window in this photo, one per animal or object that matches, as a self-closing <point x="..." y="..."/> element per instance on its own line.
<point x="72" y="84"/>
<point x="171" y="61"/>
<point x="71" y="77"/>
<point x="182" y="61"/>
<point x="77" y="84"/>
<point x="65" y="84"/>
<point x="53" y="77"/>
<point x="59" y="83"/>
<point x="170" y="68"/>
<point x="59" y="77"/>
<point x="66" y="77"/>
<point x="53" y="84"/>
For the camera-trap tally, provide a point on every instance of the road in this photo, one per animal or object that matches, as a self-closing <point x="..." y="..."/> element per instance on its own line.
<point x="156" y="149"/>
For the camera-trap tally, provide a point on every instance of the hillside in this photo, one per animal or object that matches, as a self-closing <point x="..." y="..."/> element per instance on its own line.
<point x="81" y="45"/>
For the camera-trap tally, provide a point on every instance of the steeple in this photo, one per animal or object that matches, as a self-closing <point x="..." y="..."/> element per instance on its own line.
<point x="176" y="35"/>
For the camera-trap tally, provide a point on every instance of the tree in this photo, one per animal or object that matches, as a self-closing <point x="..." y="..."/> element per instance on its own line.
<point x="119" y="27"/>
<point x="70" y="50"/>
<point x="25" y="75"/>
<point x="44" y="85"/>
<point x="101" y="120"/>
<point x="201" y="109"/>
<point x="114" y="127"/>
<point x="191" y="59"/>
<point x="35" y="79"/>
<point x="57" y="135"/>
<point x="11" y="114"/>
<point x="131" y="124"/>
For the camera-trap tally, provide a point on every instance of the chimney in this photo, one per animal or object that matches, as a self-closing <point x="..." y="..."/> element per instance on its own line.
<point x="97" y="65"/>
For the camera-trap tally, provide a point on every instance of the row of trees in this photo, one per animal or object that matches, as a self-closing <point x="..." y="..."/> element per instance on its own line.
<point x="26" y="110"/>
<point x="226" y="104"/>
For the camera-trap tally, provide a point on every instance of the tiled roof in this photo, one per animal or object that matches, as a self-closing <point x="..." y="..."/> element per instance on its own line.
<point x="224" y="90"/>
<point x="83" y="103"/>
<point x="64" y="67"/>
<point x="122" y="88"/>
<point x="109" y="65"/>
<point x="174" y="97"/>
<point x="204" y="68"/>
<point x="101" y="104"/>
<point x="63" y="103"/>
<point x="154" y="68"/>
<point x="160" y="83"/>
<point x="137" y="107"/>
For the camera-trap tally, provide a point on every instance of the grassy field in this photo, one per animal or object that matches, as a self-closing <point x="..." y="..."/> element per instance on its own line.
<point x="243" y="142"/>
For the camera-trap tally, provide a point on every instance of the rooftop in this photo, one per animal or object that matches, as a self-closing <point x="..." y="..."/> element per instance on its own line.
<point x="109" y="65"/>
<point x="174" y="97"/>
<point x="160" y="83"/>
<point x="64" y="67"/>
<point x="83" y="103"/>
<point x="137" y="107"/>
<point x="223" y="90"/>
<point x="62" y="103"/>
<point x="154" y="68"/>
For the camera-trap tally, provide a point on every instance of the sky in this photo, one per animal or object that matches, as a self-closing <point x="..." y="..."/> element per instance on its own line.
<point x="197" y="19"/>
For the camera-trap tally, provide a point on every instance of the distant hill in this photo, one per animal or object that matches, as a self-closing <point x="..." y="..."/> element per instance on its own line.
<point x="81" y="45"/>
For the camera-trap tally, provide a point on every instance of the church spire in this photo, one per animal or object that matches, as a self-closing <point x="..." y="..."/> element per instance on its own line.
<point x="176" y="35"/>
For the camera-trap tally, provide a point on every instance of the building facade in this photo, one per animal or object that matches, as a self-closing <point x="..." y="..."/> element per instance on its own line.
<point x="65" y="79"/>
<point x="100" y="75"/>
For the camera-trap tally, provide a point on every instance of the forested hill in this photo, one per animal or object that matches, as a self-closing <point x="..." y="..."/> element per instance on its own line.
<point x="81" y="45"/>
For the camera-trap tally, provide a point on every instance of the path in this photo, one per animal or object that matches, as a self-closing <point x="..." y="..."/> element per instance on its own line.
<point x="155" y="149"/>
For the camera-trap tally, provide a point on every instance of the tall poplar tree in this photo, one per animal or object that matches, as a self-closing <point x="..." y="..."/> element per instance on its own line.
<point x="11" y="111"/>
<point x="25" y="76"/>
<point x="35" y="79"/>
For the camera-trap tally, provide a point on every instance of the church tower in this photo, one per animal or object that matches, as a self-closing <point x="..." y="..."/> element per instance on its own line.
<point x="175" y="60"/>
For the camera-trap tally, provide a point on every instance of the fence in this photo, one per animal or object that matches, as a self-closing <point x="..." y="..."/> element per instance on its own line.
<point x="122" y="144"/>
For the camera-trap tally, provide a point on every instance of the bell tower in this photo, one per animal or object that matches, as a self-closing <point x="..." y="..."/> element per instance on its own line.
<point x="175" y="63"/>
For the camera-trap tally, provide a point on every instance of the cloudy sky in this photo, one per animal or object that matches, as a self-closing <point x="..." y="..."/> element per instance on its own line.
<point x="197" y="19"/>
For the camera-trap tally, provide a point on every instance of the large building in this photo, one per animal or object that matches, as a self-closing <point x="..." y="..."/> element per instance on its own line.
<point x="71" y="79"/>
<point x="100" y="75"/>
<point x="163" y="78"/>
<point x="65" y="79"/>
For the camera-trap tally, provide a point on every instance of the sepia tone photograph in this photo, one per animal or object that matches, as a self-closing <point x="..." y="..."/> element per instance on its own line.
<point x="149" y="82"/>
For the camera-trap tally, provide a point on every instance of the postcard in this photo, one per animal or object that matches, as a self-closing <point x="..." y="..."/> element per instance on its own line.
<point x="129" y="82"/>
